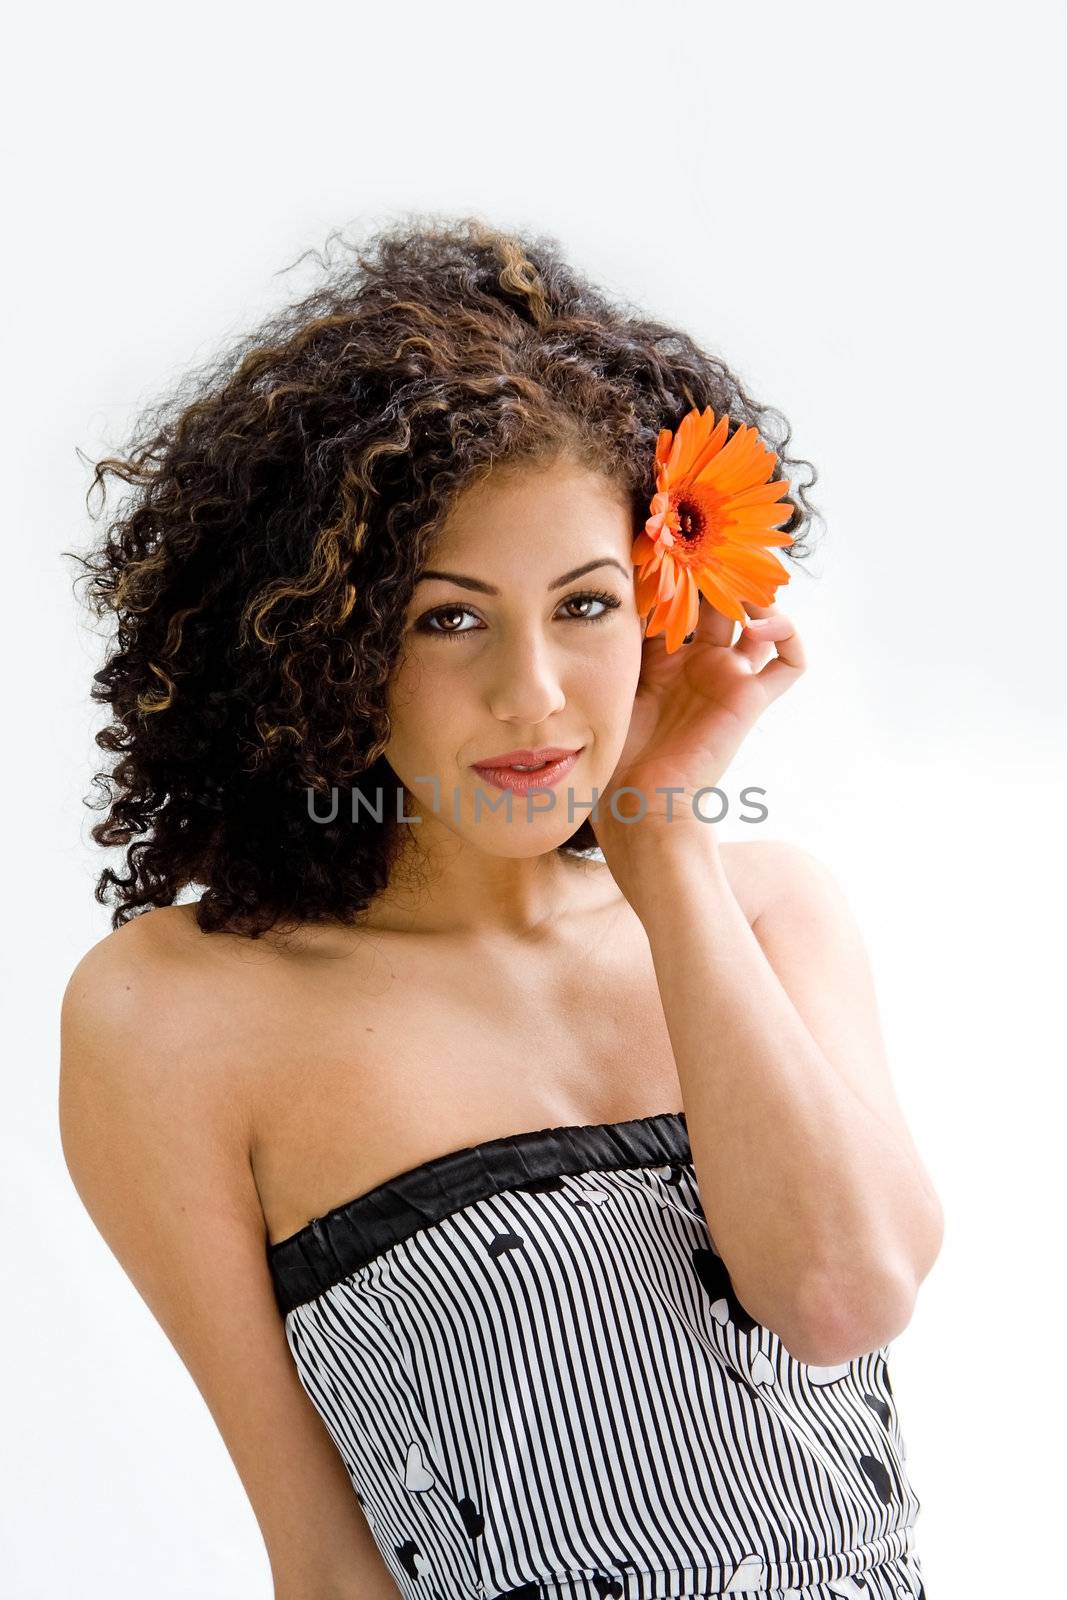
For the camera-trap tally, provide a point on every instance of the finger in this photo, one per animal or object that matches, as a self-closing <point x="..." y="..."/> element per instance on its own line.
<point x="756" y="651"/>
<point x="755" y="648"/>
<point x="754" y="610"/>
<point x="713" y="627"/>
<point x="790" y="660"/>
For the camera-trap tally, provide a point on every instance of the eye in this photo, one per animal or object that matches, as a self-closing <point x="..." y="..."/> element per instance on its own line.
<point x="610" y="602"/>
<point x="425" y="624"/>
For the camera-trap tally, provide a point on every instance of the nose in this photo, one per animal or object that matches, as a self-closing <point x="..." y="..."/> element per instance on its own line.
<point x="526" y="686"/>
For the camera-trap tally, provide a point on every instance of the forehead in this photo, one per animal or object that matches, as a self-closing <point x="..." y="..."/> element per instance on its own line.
<point x="538" y="506"/>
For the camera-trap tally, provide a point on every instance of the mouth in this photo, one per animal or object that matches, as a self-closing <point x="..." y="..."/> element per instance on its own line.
<point x="526" y="760"/>
<point x="521" y="770"/>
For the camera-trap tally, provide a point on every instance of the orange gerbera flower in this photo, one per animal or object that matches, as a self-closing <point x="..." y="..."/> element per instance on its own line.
<point x="712" y="512"/>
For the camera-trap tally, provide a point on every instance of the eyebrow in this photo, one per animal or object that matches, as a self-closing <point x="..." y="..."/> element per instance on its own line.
<point x="487" y="588"/>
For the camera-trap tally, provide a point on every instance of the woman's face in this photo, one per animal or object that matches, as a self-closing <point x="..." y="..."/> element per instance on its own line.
<point x="500" y="654"/>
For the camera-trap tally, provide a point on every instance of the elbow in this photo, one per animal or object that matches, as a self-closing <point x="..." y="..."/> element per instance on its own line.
<point x="832" y="1322"/>
<point x="850" y="1319"/>
<point x="847" y="1313"/>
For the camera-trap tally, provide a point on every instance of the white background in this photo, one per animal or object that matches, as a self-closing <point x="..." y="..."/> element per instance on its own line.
<point x="861" y="212"/>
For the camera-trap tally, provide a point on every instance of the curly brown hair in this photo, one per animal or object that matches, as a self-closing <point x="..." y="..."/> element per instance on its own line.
<point x="279" y="517"/>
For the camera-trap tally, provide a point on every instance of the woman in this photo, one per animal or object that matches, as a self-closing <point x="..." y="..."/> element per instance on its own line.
<point x="533" y="1223"/>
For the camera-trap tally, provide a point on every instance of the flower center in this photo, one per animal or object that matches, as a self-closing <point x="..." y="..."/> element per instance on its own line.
<point x="691" y="519"/>
<point x="699" y="510"/>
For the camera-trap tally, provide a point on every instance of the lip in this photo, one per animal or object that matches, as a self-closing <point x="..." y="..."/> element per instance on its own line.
<point x="505" y="777"/>
<point x="547" y="752"/>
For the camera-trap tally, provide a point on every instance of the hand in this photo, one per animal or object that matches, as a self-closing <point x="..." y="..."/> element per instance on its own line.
<point x="691" y="713"/>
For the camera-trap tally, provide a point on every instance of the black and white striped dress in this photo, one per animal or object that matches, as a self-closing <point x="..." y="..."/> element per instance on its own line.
<point x="531" y="1358"/>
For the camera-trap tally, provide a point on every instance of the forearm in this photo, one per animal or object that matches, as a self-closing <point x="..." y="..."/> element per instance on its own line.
<point x="377" y="1585"/>
<point x="352" y="1568"/>
<point x="810" y="1197"/>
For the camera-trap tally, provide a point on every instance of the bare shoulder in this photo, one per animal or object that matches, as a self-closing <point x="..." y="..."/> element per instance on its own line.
<point x="155" y="944"/>
<point x="120" y="979"/>
<point x="155" y="1140"/>
<point x="167" y="937"/>
<point x="761" y="871"/>
<point x="141" y="1000"/>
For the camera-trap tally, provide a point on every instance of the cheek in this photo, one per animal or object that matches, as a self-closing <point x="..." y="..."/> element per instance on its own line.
<point x="422" y="702"/>
<point x="618" y="661"/>
<point x="604" y="685"/>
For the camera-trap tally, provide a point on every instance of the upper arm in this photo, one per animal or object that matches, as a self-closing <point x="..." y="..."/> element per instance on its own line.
<point x="155" y="1140"/>
<point x="810" y="936"/>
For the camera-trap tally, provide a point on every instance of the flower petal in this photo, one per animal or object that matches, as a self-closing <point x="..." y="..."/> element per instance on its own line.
<point x="752" y="573"/>
<point x="704" y="451"/>
<point x="643" y="548"/>
<point x="719" y="594"/>
<point x="646" y="590"/>
<point x="741" y="464"/>
<point x="658" y="620"/>
<point x="761" y="492"/>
